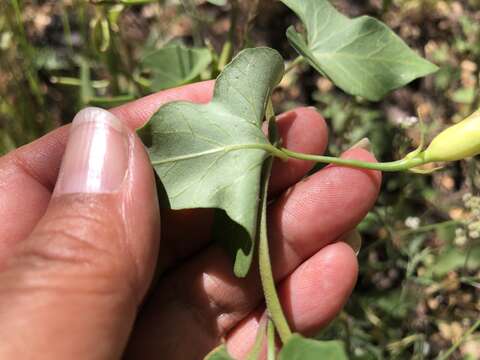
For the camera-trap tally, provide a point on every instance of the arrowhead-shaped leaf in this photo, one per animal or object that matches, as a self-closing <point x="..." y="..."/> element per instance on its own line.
<point x="211" y="156"/>
<point x="175" y="65"/>
<point x="300" y="348"/>
<point x="362" y="56"/>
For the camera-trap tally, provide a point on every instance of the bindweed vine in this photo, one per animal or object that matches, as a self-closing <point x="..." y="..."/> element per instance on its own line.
<point x="215" y="155"/>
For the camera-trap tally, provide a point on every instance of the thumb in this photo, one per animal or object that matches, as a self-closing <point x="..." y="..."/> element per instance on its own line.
<point x="73" y="287"/>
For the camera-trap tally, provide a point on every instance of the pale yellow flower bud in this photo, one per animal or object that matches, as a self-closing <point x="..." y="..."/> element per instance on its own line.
<point x="457" y="142"/>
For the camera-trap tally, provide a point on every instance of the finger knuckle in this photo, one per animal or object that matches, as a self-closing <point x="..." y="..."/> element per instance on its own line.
<point x="83" y="240"/>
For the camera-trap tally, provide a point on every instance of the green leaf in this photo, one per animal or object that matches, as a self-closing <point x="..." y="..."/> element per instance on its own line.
<point x="49" y="60"/>
<point x="362" y="56"/>
<point x="300" y="348"/>
<point x="176" y="65"/>
<point x="464" y="95"/>
<point x="86" y="88"/>
<point x="219" y="353"/>
<point x="218" y="2"/>
<point x="453" y="258"/>
<point x="211" y="156"/>
<point x="6" y="142"/>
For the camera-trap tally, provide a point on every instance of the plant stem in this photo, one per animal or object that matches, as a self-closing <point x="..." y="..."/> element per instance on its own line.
<point x="229" y="46"/>
<point x="268" y="283"/>
<point x="110" y="101"/>
<point x="225" y="55"/>
<point x="197" y="24"/>
<point x="285" y="154"/>
<point x="66" y="27"/>
<point x="270" y="340"/>
<point x="298" y="60"/>
<point x="400" y="165"/>
<point x="123" y="2"/>
<point x="431" y="227"/>
<point x="29" y="55"/>
<point x="459" y="342"/>
<point x="71" y="81"/>
<point x="257" y="346"/>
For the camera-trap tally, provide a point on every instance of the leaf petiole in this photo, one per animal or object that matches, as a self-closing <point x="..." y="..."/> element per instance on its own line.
<point x="400" y="165"/>
<point x="282" y="153"/>
<point x="297" y="61"/>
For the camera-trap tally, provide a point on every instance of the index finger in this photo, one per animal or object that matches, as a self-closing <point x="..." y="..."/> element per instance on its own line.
<point x="28" y="174"/>
<point x="41" y="158"/>
<point x="137" y="112"/>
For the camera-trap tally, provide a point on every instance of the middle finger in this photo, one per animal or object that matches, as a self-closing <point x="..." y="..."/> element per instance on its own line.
<point x="203" y="300"/>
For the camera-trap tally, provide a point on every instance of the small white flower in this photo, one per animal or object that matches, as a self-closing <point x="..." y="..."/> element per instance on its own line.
<point x="412" y="222"/>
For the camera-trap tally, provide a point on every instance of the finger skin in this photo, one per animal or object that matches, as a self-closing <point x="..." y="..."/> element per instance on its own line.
<point x="28" y="174"/>
<point x="320" y="209"/>
<point x="215" y="299"/>
<point x="26" y="183"/>
<point x="137" y="113"/>
<point x="72" y="288"/>
<point x="311" y="296"/>
<point x="303" y="130"/>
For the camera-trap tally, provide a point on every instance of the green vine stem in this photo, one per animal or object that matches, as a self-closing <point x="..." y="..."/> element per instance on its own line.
<point x="400" y="165"/>
<point x="298" y="60"/>
<point x="270" y="340"/>
<point x="229" y="46"/>
<point x="460" y="341"/>
<point x="269" y="290"/>
<point x="225" y="55"/>
<point x="123" y="2"/>
<point x="274" y="308"/>
<point x="254" y="353"/>
<point x="431" y="227"/>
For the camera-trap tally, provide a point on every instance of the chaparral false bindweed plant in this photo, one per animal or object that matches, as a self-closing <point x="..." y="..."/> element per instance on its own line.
<point x="216" y="155"/>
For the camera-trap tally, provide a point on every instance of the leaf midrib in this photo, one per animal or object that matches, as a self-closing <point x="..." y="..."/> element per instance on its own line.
<point x="340" y="54"/>
<point x="228" y="148"/>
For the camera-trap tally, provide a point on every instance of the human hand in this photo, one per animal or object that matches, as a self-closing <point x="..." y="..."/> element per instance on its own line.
<point x="78" y="249"/>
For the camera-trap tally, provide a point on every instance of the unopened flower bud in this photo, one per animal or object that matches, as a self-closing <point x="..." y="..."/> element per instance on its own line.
<point x="457" y="142"/>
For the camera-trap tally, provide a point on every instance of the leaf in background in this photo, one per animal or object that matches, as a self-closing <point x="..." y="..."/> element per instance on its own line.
<point x="465" y="95"/>
<point x="49" y="60"/>
<point x="86" y="88"/>
<point x="6" y="142"/>
<point x="218" y="2"/>
<point x="113" y="15"/>
<point x="453" y="258"/>
<point x="176" y="65"/>
<point x="211" y="156"/>
<point x="219" y="353"/>
<point x="100" y="33"/>
<point x="300" y="348"/>
<point x="361" y="56"/>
